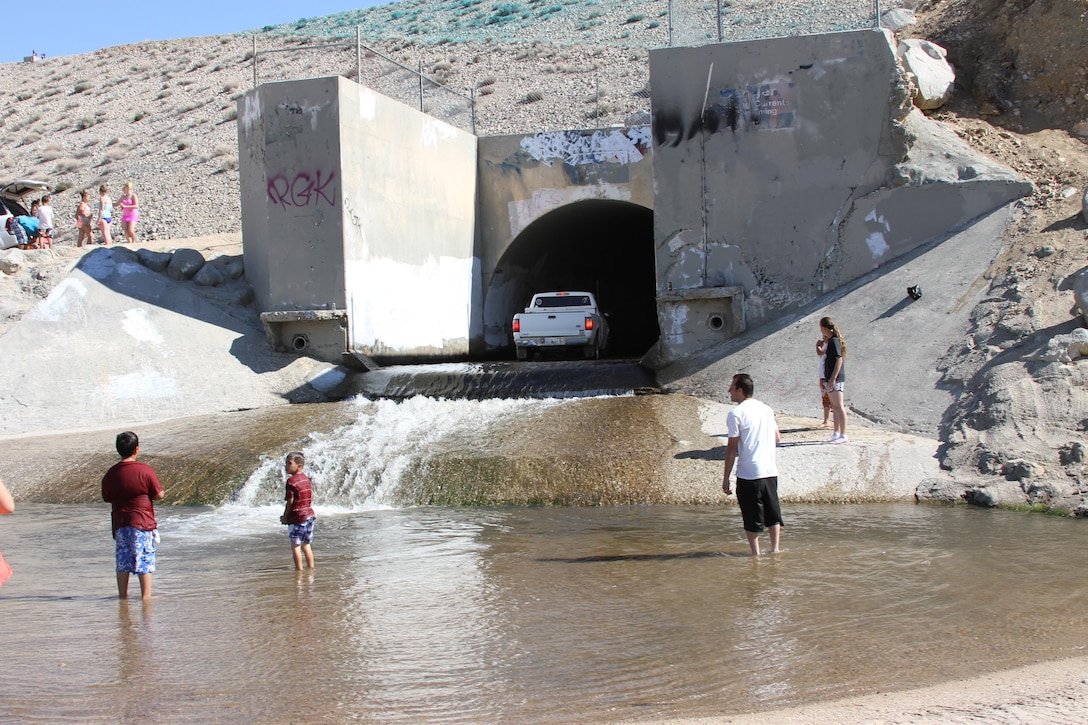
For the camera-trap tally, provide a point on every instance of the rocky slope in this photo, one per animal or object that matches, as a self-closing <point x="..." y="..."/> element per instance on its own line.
<point x="163" y="114"/>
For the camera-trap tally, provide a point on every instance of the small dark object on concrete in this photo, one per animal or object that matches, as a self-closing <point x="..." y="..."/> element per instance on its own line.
<point x="915" y="292"/>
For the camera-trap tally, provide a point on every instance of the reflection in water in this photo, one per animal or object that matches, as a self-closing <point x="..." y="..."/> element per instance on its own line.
<point x="138" y="678"/>
<point x="526" y="615"/>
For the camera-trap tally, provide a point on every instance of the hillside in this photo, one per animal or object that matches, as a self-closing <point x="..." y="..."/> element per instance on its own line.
<point x="163" y="114"/>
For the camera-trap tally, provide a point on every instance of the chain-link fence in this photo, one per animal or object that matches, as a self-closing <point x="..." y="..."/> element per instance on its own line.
<point x="377" y="71"/>
<point x="635" y="25"/>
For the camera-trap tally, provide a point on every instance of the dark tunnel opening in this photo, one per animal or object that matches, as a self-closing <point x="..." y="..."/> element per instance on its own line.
<point x="599" y="246"/>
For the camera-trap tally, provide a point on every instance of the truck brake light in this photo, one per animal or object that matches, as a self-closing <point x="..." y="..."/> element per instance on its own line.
<point x="589" y="324"/>
<point x="517" y="325"/>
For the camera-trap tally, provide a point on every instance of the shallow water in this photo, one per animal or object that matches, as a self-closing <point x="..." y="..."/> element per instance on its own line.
<point x="525" y="615"/>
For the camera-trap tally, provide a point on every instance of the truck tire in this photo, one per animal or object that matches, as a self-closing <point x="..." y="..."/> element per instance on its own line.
<point x="592" y="352"/>
<point x="522" y="353"/>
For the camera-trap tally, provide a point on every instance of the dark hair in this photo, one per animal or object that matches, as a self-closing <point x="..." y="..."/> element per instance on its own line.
<point x="743" y="383"/>
<point x="127" y="443"/>
<point x="297" y="458"/>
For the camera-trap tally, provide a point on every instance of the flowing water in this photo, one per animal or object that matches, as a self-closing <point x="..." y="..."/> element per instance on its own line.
<point x="528" y="615"/>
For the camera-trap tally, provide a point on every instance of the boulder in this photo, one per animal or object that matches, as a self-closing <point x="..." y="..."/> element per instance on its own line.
<point x="209" y="276"/>
<point x="157" y="261"/>
<point x="1084" y="200"/>
<point x="1071" y="453"/>
<point x="185" y="264"/>
<point x="997" y="493"/>
<point x="1045" y="492"/>
<point x="1066" y="348"/>
<point x="934" y="77"/>
<point x="940" y="489"/>
<point x="897" y="19"/>
<point x="1080" y="295"/>
<point x="1019" y="469"/>
<point x="124" y="255"/>
<point x="11" y="261"/>
<point x="235" y="268"/>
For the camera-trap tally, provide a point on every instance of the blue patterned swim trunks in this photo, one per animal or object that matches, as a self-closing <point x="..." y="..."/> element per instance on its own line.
<point x="301" y="533"/>
<point x="135" y="550"/>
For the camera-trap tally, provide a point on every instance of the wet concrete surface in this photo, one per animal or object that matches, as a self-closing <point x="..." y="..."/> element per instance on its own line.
<point x="505" y="379"/>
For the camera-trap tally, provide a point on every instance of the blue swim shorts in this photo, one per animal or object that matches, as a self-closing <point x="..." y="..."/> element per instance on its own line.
<point x="135" y="550"/>
<point x="301" y="533"/>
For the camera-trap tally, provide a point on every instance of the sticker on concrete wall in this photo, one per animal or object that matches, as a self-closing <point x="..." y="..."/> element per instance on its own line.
<point x="764" y="106"/>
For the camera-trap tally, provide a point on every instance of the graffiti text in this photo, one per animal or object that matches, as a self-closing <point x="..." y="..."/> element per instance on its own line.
<point x="303" y="189"/>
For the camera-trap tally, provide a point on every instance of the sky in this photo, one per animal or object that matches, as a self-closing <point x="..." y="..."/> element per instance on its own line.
<point x="70" y="27"/>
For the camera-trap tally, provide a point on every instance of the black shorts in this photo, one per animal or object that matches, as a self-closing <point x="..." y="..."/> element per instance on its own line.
<point x="758" y="499"/>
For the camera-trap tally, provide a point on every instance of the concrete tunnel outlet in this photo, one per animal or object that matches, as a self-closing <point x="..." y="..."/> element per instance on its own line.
<point x="600" y="246"/>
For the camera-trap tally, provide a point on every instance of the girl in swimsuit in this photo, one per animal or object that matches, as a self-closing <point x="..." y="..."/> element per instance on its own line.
<point x="83" y="219"/>
<point x="105" y="214"/>
<point x="130" y="212"/>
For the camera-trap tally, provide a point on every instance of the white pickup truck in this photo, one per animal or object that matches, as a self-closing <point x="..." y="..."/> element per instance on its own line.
<point x="555" y="320"/>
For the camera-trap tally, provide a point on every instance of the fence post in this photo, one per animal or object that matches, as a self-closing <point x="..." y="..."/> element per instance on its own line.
<point x="877" y="3"/>
<point x="254" y="60"/>
<point x="719" y="21"/>
<point x="670" y="23"/>
<point x="358" y="55"/>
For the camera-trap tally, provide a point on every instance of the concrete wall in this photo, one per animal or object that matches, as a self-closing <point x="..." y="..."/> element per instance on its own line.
<point x="409" y="229"/>
<point x="522" y="178"/>
<point x="778" y="172"/>
<point x="352" y="201"/>
<point x="781" y="170"/>
<point x="289" y="168"/>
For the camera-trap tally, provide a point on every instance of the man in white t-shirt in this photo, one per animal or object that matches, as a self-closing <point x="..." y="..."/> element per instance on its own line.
<point x="753" y="436"/>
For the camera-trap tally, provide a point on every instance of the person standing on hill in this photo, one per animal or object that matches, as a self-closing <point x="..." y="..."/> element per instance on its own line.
<point x="753" y="435"/>
<point x="835" y="377"/>
<point x="130" y="212"/>
<point x="83" y="219"/>
<point x="45" y="222"/>
<point x="105" y="214"/>
<point x="298" y="514"/>
<point x="131" y="488"/>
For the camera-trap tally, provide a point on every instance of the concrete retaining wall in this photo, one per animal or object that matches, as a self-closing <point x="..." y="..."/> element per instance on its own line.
<point x="778" y="172"/>
<point x="351" y="200"/>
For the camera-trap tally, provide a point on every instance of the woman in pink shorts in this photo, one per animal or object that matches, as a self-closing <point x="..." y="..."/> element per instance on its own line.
<point x="130" y="212"/>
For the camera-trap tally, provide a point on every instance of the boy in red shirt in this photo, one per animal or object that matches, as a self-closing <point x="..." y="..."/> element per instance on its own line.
<point x="298" y="514"/>
<point x="131" y="488"/>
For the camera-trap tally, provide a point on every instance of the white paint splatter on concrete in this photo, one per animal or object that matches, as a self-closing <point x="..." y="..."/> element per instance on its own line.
<point x="251" y="111"/>
<point x="576" y="148"/>
<point x="399" y="321"/>
<point x="878" y="246"/>
<point x="368" y="104"/>
<point x="140" y="327"/>
<point x="67" y="297"/>
<point x="146" y="383"/>
<point x="434" y="131"/>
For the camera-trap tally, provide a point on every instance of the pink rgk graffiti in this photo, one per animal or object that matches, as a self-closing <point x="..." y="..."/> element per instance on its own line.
<point x="303" y="189"/>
